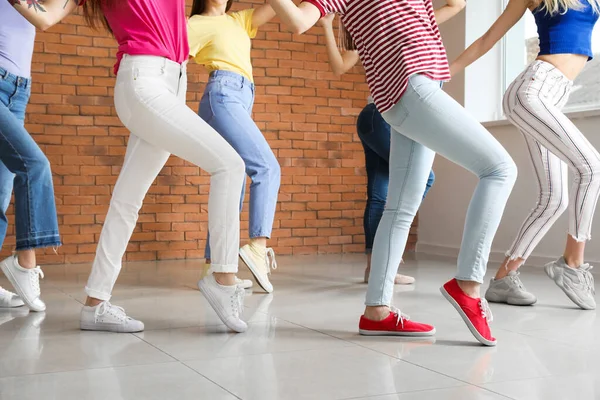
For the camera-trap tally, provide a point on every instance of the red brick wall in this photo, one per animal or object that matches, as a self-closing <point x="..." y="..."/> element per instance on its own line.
<point x="307" y="114"/>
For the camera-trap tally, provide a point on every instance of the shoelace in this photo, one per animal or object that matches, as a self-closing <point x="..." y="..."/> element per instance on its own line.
<point x="517" y="281"/>
<point x="400" y="318"/>
<point x="270" y="259"/>
<point x="34" y="279"/>
<point x="588" y="280"/>
<point x="237" y="301"/>
<point x="107" y="308"/>
<point x="486" y="312"/>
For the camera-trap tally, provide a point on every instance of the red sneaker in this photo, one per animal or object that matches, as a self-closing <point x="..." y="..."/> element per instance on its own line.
<point x="396" y="324"/>
<point x="475" y="312"/>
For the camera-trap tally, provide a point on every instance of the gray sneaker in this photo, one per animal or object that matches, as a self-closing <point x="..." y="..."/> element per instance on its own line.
<point x="509" y="290"/>
<point x="577" y="283"/>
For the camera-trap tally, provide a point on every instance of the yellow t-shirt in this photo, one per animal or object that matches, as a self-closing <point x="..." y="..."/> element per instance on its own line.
<point x="223" y="42"/>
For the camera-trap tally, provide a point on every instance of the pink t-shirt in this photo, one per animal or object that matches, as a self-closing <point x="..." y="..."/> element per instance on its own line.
<point x="149" y="27"/>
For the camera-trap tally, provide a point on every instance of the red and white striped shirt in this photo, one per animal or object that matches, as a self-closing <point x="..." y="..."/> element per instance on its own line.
<point x="395" y="39"/>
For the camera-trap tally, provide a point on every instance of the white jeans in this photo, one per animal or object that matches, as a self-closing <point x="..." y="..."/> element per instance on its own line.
<point x="150" y="101"/>
<point x="533" y="103"/>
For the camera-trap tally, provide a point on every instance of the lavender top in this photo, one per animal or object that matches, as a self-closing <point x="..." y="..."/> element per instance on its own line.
<point x="17" y="36"/>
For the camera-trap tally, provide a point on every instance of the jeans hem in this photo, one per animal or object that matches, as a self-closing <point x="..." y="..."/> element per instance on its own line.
<point x="38" y="243"/>
<point x="223" y="268"/>
<point x="377" y="304"/>
<point x="97" y="295"/>
<point x="260" y="234"/>
<point x="469" y="278"/>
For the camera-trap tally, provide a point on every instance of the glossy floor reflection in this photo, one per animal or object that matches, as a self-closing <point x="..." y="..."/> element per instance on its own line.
<point x="302" y="342"/>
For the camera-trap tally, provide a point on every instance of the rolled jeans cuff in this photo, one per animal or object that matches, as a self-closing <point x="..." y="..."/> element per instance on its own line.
<point x="224" y="268"/>
<point x="97" y="295"/>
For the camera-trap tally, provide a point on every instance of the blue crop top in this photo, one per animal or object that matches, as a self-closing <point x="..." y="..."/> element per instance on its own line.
<point x="566" y="33"/>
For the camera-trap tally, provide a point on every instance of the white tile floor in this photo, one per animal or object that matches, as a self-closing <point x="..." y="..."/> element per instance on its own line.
<point x="302" y="342"/>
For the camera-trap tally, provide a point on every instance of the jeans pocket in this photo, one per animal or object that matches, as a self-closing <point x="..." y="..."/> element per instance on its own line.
<point x="7" y="90"/>
<point x="122" y="103"/>
<point x="397" y="114"/>
<point x="365" y="121"/>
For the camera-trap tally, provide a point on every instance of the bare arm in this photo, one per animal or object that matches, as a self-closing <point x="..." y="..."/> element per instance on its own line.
<point x="449" y="11"/>
<point x="340" y="62"/>
<point x="512" y="14"/>
<point x="297" y="18"/>
<point x="262" y="15"/>
<point x="44" y="14"/>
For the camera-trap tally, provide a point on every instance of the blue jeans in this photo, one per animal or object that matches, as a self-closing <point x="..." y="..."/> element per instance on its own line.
<point x="374" y="133"/>
<point x="227" y="107"/>
<point x="424" y="122"/>
<point x="24" y="166"/>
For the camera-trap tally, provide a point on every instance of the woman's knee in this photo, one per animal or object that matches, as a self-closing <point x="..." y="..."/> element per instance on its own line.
<point x="589" y="171"/>
<point x="38" y="166"/>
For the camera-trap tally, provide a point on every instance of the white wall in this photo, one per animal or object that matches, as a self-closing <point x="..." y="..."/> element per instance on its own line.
<point x="442" y="214"/>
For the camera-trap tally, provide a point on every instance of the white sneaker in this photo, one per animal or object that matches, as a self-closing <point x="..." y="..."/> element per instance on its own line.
<point x="227" y="301"/>
<point x="9" y="299"/>
<point x="260" y="261"/>
<point x="109" y="318"/>
<point x="243" y="283"/>
<point x="25" y="281"/>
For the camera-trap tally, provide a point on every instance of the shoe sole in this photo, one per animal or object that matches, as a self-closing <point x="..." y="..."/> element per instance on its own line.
<point x="13" y="282"/>
<point x="214" y="303"/>
<point x="109" y="328"/>
<point x="390" y="333"/>
<point x="248" y="261"/>
<point x="550" y="272"/>
<point x="466" y="320"/>
<point x="510" y="301"/>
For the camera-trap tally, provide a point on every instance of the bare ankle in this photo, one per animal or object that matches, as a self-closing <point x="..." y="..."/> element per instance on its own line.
<point x="26" y="258"/>
<point x="92" y="302"/>
<point x="509" y="265"/>
<point x="377" y="313"/>
<point x="259" y="241"/>
<point x="225" y="279"/>
<point x="573" y="262"/>
<point x="470" y="288"/>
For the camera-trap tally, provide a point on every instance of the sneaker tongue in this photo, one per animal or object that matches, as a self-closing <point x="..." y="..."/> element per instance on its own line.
<point x="512" y="273"/>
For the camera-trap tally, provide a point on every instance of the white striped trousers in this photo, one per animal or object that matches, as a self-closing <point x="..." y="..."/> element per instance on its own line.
<point x="533" y="103"/>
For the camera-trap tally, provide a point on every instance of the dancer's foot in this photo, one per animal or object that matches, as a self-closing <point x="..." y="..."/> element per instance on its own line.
<point x="398" y="280"/>
<point x="25" y="281"/>
<point x="260" y="260"/>
<point x="227" y="301"/>
<point x="509" y="290"/>
<point x="475" y="312"/>
<point x="577" y="283"/>
<point x="243" y="283"/>
<point x="395" y="324"/>
<point x="9" y="299"/>
<point x="109" y="318"/>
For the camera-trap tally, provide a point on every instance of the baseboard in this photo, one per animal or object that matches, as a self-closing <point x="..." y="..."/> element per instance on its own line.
<point x="495" y="256"/>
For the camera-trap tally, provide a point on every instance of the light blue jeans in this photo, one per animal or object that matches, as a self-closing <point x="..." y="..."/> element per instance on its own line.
<point x="424" y="122"/>
<point x="227" y="106"/>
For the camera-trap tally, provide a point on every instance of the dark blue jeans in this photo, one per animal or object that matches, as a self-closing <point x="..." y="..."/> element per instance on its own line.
<point x="25" y="168"/>
<point x="374" y="133"/>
